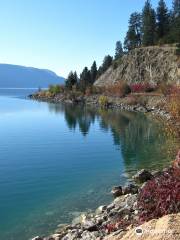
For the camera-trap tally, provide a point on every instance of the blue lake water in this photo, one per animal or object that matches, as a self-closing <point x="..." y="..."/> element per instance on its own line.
<point x="57" y="161"/>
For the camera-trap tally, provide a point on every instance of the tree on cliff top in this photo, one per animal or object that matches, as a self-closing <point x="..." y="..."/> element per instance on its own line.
<point x="162" y="20"/>
<point x="133" y="36"/>
<point x="148" y="24"/>
<point x="107" y="62"/>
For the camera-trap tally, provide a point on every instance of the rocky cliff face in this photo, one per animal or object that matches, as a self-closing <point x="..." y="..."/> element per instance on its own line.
<point x="150" y="64"/>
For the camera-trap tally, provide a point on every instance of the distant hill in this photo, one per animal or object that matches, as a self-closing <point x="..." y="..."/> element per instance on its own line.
<point x="14" y="76"/>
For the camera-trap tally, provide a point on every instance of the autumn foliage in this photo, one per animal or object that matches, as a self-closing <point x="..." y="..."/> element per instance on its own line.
<point x="174" y="102"/>
<point x="119" y="89"/>
<point x="161" y="195"/>
<point x="142" y="87"/>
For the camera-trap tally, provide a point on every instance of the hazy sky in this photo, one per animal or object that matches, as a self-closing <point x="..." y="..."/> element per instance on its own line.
<point x="63" y="35"/>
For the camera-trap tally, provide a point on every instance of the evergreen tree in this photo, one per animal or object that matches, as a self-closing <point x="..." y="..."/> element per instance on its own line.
<point x="106" y="62"/>
<point x="162" y="20"/>
<point x="175" y="23"/>
<point x="85" y="79"/>
<point x="93" y="72"/>
<point x="119" y="50"/>
<point x="133" y="36"/>
<point x="176" y="11"/>
<point x="71" y="80"/>
<point x="176" y="8"/>
<point x="148" y="24"/>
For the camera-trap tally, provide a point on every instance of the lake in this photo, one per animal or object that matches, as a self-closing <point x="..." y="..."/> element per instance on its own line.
<point x="57" y="161"/>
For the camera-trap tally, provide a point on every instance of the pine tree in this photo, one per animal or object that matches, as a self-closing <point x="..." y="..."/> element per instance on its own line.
<point x="93" y="72"/>
<point x="162" y="20"/>
<point x="176" y="8"/>
<point x="85" y="79"/>
<point x="106" y="62"/>
<point x="148" y="24"/>
<point x="119" y="50"/>
<point x="175" y="23"/>
<point x="71" y="80"/>
<point x="133" y="36"/>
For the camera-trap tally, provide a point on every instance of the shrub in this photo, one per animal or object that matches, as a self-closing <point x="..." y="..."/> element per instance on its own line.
<point x="98" y="90"/>
<point x="174" y="102"/>
<point x="142" y="100"/>
<point x="164" y="88"/>
<point x="55" y="89"/>
<point x="160" y="196"/>
<point x="103" y="101"/>
<point x="119" y="89"/>
<point x="88" y="91"/>
<point x="131" y="100"/>
<point x="142" y="87"/>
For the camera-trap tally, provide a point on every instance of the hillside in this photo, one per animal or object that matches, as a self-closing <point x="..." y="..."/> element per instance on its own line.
<point x="148" y="64"/>
<point x="14" y="76"/>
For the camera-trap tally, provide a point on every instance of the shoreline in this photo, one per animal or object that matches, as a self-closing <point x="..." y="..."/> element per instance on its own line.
<point x="155" y="105"/>
<point x="116" y="219"/>
<point x="103" y="223"/>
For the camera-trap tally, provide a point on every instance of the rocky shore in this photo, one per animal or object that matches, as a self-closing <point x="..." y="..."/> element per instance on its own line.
<point x="110" y="221"/>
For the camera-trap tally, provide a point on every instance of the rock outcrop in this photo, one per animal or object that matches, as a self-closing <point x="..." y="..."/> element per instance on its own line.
<point x="150" y="64"/>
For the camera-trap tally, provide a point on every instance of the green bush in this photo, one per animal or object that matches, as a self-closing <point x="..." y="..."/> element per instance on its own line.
<point x="55" y="89"/>
<point x="103" y="101"/>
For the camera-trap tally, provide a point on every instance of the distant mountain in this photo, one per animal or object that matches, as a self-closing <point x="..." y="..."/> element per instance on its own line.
<point x="14" y="76"/>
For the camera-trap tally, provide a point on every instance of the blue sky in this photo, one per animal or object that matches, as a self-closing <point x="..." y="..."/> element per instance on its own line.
<point x="63" y="35"/>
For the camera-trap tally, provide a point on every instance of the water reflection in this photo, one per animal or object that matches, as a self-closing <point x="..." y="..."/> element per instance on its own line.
<point x="142" y="140"/>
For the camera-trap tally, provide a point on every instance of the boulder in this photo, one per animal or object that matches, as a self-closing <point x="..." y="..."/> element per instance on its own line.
<point x="142" y="176"/>
<point x="90" y="225"/>
<point x="89" y="235"/>
<point x="131" y="188"/>
<point x="116" y="191"/>
<point x="37" y="238"/>
<point x="101" y="209"/>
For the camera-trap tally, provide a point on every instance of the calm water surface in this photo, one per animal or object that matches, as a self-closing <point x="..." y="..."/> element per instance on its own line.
<point x="57" y="161"/>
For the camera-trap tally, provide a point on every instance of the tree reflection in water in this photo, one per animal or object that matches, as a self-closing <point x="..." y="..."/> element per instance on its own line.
<point x="142" y="140"/>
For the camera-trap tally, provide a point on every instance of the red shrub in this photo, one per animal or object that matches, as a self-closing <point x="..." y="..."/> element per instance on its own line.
<point x="141" y="87"/>
<point x="160" y="196"/>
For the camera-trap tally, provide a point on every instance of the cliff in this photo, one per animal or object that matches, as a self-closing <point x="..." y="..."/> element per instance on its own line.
<point x="150" y="64"/>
